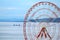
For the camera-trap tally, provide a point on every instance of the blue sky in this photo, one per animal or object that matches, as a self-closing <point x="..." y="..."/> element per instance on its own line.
<point x="16" y="9"/>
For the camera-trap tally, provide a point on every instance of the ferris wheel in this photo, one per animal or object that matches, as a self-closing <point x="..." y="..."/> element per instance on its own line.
<point x="41" y="30"/>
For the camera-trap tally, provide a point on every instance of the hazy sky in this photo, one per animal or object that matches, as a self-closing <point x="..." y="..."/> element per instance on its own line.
<point x="16" y="9"/>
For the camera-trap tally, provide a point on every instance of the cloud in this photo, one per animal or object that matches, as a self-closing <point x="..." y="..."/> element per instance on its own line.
<point x="9" y="8"/>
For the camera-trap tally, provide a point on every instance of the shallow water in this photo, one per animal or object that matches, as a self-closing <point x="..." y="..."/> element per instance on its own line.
<point x="14" y="31"/>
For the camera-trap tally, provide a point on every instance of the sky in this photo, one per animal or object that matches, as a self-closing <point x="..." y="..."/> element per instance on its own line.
<point x="16" y="9"/>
